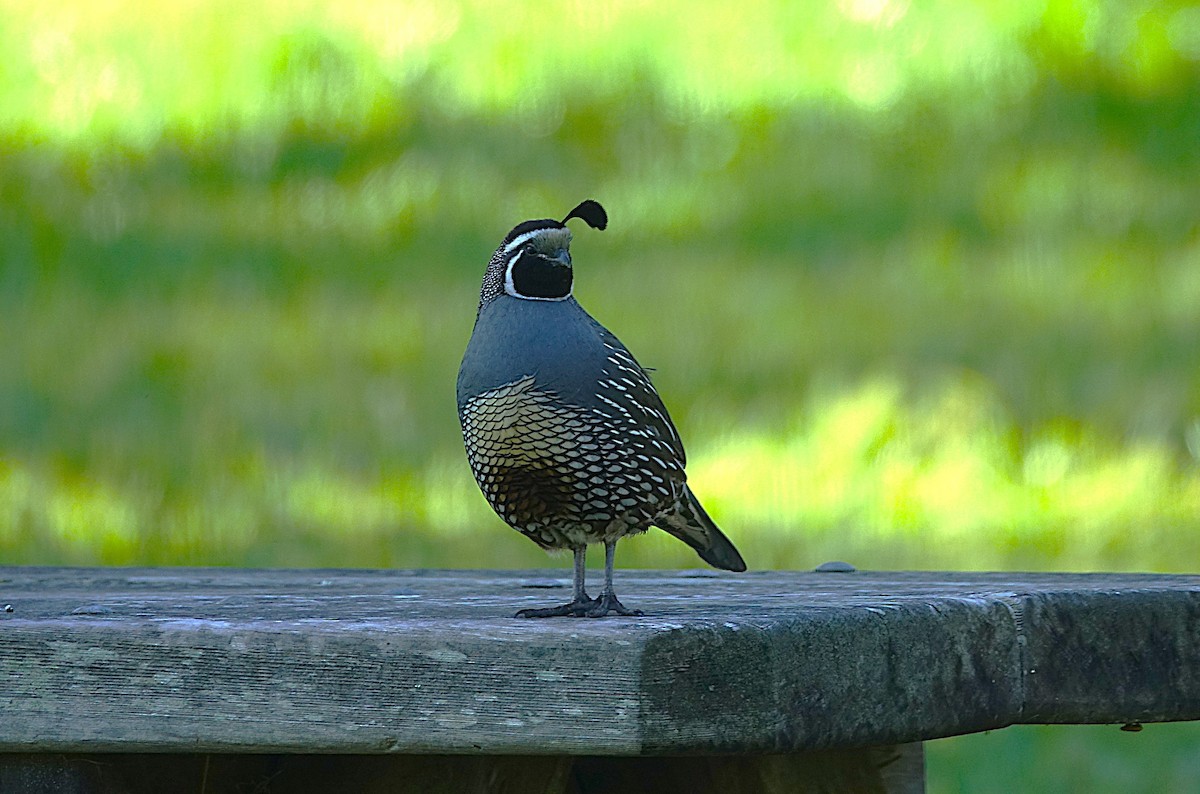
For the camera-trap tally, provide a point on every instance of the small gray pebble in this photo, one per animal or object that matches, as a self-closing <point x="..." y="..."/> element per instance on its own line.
<point x="835" y="566"/>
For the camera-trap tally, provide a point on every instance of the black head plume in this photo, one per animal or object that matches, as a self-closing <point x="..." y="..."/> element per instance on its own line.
<point x="591" y="213"/>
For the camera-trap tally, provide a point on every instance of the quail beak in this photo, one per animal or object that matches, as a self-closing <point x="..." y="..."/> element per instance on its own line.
<point x="563" y="257"/>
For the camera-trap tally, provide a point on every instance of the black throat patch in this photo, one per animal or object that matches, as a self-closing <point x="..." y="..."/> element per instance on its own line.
<point x="536" y="276"/>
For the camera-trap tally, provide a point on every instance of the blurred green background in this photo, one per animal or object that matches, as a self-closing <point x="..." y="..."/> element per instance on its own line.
<point x="920" y="282"/>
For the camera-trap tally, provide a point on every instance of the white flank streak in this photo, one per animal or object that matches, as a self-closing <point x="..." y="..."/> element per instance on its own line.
<point x="620" y="408"/>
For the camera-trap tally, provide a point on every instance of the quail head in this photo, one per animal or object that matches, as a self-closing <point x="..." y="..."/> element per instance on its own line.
<point x="564" y="431"/>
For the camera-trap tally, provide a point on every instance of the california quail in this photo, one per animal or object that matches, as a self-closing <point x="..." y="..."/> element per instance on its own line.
<point x="565" y="434"/>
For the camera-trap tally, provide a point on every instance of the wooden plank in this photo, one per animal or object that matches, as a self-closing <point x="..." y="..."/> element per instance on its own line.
<point x="156" y="773"/>
<point x="223" y="660"/>
<point x="889" y="770"/>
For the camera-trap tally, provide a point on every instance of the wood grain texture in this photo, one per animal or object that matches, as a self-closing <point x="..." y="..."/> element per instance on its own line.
<point x="303" y="661"/>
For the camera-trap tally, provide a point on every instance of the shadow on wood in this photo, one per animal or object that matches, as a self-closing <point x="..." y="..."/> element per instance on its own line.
<point x="888" y="770"/>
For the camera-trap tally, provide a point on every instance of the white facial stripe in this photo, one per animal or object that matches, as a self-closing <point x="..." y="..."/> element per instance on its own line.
<point x="508" y="280"/>
<point x="521" y="239"/>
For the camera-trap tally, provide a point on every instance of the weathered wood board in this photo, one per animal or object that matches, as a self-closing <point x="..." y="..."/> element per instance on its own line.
<point x="304" y="661"/>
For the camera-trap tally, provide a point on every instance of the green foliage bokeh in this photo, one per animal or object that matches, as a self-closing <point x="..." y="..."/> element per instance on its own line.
<point x="919" y="280"/>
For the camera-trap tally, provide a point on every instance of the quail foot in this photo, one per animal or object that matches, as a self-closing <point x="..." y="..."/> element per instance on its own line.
<point x="565" y="434"/>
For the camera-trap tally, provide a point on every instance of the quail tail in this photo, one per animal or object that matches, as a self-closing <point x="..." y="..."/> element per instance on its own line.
<point x="693" y="526"/>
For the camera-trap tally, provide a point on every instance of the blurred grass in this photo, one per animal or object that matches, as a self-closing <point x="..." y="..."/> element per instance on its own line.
<point x="919" y="282"/>
<point x="1160" y="759"/>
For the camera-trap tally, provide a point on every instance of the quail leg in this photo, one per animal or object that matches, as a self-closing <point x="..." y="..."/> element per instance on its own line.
<point x="579" y="606"/>
<point x="607" y="602"/>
